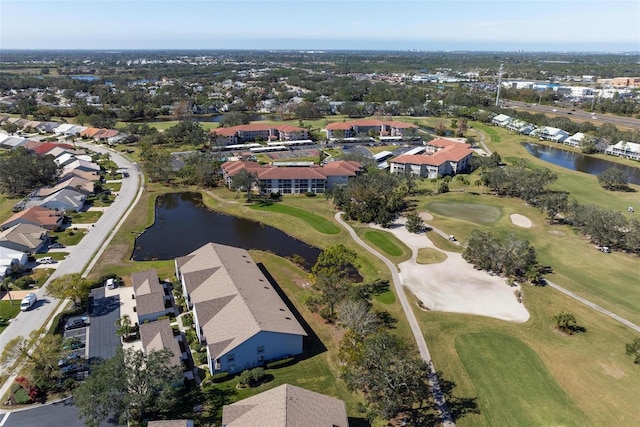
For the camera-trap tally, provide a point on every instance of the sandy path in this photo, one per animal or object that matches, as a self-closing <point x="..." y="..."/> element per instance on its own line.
<point x="454" y="285"/>
<point x="521" y="221"/>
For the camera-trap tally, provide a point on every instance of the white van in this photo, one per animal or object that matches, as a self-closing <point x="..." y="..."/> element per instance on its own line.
<point x="45" y="260"/>
<point x="28" y="301"/>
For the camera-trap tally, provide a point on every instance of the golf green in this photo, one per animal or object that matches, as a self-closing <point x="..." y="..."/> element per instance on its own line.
<point x="473" y="212"/>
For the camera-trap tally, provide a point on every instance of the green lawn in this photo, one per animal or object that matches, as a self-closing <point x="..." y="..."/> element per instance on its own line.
<point x="474" y="212"/>
<point x="8" y="310"/>
<point x="85" y="217"/>
<point x="68" y="237"/>
<point x="489" y="130"/>
<point x="442" y="243"/>
<point x="384" y="242"/>
<point x="317" y="222"/>
<point x="430" y="256"/>
<point x="513" y="386"/>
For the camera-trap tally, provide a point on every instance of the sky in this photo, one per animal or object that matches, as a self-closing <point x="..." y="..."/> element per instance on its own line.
<point x="475" y="25"/>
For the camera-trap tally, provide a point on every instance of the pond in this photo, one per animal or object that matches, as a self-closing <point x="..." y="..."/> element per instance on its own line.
<point x="183" y="223"/>
<point x="579" y="162"/>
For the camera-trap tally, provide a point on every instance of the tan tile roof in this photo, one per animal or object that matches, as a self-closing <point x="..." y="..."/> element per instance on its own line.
<point x="232" y="299"/>
<point x="256" y="127"/>
<point x="290" y="173"/>
<point x="91" y="176"/>
<point x="149" y="292"/>
<point x="450" y="153"/>
<point x="37" y="215"/>
<point x="286" y="406"/>
<point x="337" y="168"/>
<point x="80" y="184"/>
<point x="27" y="235"/>
<point x="368" y="123"/>
<point x="158" y="335"/>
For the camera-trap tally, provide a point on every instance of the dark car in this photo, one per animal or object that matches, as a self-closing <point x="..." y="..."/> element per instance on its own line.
<point x="73" y="368"/>
<point x="70" y="359"/>
<point x="76" y="323"/>
<point x="56" y="246"/>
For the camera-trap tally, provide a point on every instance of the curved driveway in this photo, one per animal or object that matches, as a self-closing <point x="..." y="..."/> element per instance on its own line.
<point x="80" y="255"/>
<point x="413" y="323"/>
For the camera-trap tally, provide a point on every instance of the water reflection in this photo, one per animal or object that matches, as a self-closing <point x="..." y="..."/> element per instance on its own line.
<point x="579" y="162"/>
<point x="183" y="223"/>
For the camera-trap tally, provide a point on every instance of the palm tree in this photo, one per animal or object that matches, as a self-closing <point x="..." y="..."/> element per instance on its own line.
<point x="124" y="327"/>
<point x="564" y="320"/>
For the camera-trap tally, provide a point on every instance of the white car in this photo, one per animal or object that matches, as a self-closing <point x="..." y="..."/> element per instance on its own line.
<point x="45" y="260"/>
<point x="111" y="283"/>
<point x="28" y="301"/>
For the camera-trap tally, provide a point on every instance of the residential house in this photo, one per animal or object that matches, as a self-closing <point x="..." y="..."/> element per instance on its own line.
<point x="10" y="260"/>
<point x="38" y="216"/>
<point x="81" y="185"/>
<point x="574" y="140"/>
<point x="550" y="134"/>
<point x="69" y="129"/>
<point x="286" y="406"/>
<point x="158" y="335"/>
<point x="27" y="238"/>
<point x="521" y="127"/>
<point x="366" y="128"/>
<point x="237" y="314"/>
<point x="442" y="157"/>
<point x="10" y="142"/>
<point x="65" y="200"/>
<point x="501" y="120"/>
<point x="259" y="132"/>
<point x="630" y="150"/>
<point x="152" y="299"/>
<point x="89" y="176"/>
<point x="296" y="179"/>
<point x="82" y="165"/>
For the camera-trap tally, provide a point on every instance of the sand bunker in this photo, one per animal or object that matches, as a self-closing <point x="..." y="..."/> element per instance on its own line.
<point x="454" y="285"/>
<point x="426" y="216"/>
<point x="521" y="221"/>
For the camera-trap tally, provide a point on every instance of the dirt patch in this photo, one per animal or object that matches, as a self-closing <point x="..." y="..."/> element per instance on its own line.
<point x="303" y="283"/>
<point x="425" y="216"/>
<point x="612" y="370"/>
<point x="557" y="233"/>
<point x="521" y="221"/>
<point x="16" y="295"/>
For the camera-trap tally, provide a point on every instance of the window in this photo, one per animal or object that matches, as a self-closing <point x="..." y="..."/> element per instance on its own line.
<point x="231" y="358"/>
<point x="260" y="358"/>
<point x="261" y="349"/>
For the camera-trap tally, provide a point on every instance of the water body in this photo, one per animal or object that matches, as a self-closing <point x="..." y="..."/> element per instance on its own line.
<point x="579" y="162"/>
<point x="183" y="224"/>
<point x="87" y="78"/>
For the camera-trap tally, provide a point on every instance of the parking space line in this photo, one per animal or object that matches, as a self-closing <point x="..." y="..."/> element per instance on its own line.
<point x="4" y="419"/>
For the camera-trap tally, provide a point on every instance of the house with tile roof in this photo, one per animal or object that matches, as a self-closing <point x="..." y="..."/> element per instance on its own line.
<point x="259" y="131"/>
<point x="362" y="128"/>
<point x="65" y="200"/>
<point x="153" y="300"/>
<point x="42" y="217"/>
<point x="27" y="238"/>
<point x="442" y="157"/>
<point x="9" y="259"/>
<point x="158" y="335"/>
<point x="294" y="179"/>
<point x="238" y="316"/>
<point x="82" y="165"/>
<point x="81" y="185"/>
<point x="286" y="406"/>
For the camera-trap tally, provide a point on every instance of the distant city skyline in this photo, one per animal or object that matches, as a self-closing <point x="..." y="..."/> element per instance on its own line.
<point x="514" y="25"/>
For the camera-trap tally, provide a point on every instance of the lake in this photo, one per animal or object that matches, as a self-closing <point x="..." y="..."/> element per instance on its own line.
<point x="183" y="223"/>
<point x="579" y="162"/>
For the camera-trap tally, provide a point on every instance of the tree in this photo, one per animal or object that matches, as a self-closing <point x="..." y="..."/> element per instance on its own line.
<point x="613" y="179"/>
<point x="554" y="202"/>
<point x="234" y="118"/>
<point x="332" y="274"/>
<point x="564" y="320"/>
<point x="21" y="171"/>
<point x="589" y="144"/>
<point x="633" y="349"/>
<point x="440" y="129"/>
<point x="414" y="223"/>
<point x="356" y="316"/>
<point x="129" y="386"/>
<point x="244" y="180"/>
<point x="461" y="127"/>
<point x="462" y="182"/>
<point x="157" y="164"/>
<point x="124" y="327"/>
<point x="186" y="132"/>
<point x="40" y="353"/>
<point x="391" y="380"/>
<point x="72" y="286"/>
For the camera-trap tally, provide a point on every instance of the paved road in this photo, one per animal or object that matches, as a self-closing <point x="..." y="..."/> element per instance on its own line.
<point x="578" y="114"/>
<point x="413" y="323"/>
<point x="102" y="341"/>
<point x="63" y="413"/>
<point x="80" y="255"/>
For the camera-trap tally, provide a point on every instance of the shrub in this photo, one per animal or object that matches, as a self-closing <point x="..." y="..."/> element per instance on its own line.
<point x="187" y="320"/>
<point x="310" y="194"/>
<point x="252" y="377"/>
<point x="24" y="282"/>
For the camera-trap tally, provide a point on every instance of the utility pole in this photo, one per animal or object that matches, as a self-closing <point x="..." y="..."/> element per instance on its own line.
<point x="500" y="71"/>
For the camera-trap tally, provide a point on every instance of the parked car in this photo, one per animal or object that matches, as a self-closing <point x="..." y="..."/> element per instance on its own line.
<point x="56" y="246"/>
<point x="45" y="260"/>
<point x="452" y="238"/>
<point x="28" y="301"/>
<point x="76" y="323"/>
<point x="73" y="368"/>
<point x="111" y="283"/>
<point x="70" y="359"/>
